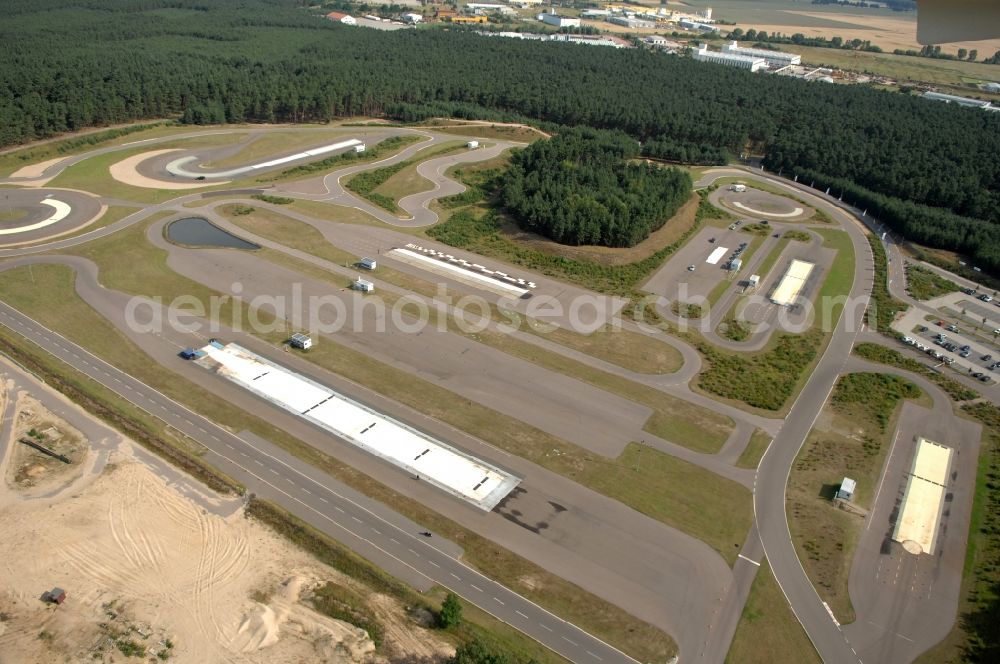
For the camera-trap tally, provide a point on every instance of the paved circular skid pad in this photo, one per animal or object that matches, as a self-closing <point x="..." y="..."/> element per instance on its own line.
<point x="762" y="204"/>
<point x="30" y="215"/>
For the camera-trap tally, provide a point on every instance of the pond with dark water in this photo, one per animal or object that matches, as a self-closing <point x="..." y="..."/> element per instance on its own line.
<point x="198" y="232"/>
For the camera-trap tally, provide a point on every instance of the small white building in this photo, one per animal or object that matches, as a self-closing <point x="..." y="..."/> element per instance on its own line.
<point x="738" y="187"/>
<point x="754" y="281"/>
<point x="301" y="341"/>
<point x="696" y="26"/>
<point x="559" y="21"/>
<point x="412" y="18"/>
<point x="359" y="148"/>
<point x="728" y="59"/>
<point x="735" y="264"/>
<point x="847" y="489"/>
<point x="472" y="145"/>
<point x="363" y="285"/>
<point x="368" y="263"/>
<point x="341" y="17"/>
<point x="595" y="13"/>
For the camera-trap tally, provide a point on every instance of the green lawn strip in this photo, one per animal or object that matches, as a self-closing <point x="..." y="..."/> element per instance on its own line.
<point x="863" y="409"/>
<point x="85" y="142"/>
<point x="882" y="355"/>
<point x="380" y="150"/>
<point x="923" y="284"/>
<point x="900" y="67"/>
<point x="82" y="325"/>
<point x="92" y="175"/>
<point x="882" y="307"/>
<point x="755" y="449"/>
<point x="798" y="236"/>
<point x="818" y="215"/>
<point x="768" y="631"/>
<point x="772" y="257"/>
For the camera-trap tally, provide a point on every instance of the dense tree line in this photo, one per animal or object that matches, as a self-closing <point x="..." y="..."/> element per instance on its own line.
<point x="70" y="64"/>
<point x="579" y="188"/>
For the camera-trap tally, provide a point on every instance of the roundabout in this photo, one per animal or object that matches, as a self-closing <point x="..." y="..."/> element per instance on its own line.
<point x="31" y="215"/>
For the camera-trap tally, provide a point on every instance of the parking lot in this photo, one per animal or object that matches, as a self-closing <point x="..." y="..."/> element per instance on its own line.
<point x="945" y="343"/>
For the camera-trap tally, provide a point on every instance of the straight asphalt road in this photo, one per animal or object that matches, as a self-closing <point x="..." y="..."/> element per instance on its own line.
<point x="308" y="495"/>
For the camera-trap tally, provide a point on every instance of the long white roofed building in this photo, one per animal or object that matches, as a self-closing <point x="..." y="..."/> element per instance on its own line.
<point x="702" y="54"/>
<point x="773" y="58"/>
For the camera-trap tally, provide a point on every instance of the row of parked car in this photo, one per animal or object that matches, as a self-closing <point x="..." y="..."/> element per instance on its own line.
<point x="963" y="351"/>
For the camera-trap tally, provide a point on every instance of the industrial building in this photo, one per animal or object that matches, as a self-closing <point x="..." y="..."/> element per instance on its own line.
<point x="340" y="17"/>
<point x="363" y="285"/>
<point x="420" y="455"/>
<point x="631" y="23"/>
<point x="739" y="61"/>
<point x="961" y="101"/>
<point x="696" y="26"/>
<point x="792" y="283"/>
<point x="559" y="21"/>
<point x="774" y="59"/>
<point x="917" y="526"/>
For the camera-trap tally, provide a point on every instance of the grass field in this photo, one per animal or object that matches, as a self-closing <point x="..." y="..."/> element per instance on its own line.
<point x="768" y="631"/>
<point x="903" y="68"/>
<point x="755" y="449"/>
<point x="407" y="181"/>
<point x="518" y="133"/>
<point x="851" y="439"/>
<point x="92" y="175"/>
<point x="62" y="311"/>
<point x="923" y="284"/>
<point x="75" y="144"/>
<point x="385" y="186"/>
<point x="274" y="143"/>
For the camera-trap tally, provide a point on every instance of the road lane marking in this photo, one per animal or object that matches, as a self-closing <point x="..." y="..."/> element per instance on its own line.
<point x="475" y="587"/>
<point x="594" y="656"/>
<point x="544" y="626"/>
<point x="455" y="576"/>
<point x="569" y="640"/>
<point x="499" y="602"/>
<point x="749" y="560"/>
<point x="521" y="614"/>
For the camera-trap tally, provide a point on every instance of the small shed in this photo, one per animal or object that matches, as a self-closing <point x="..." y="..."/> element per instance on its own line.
<point x="846" y="490"/>
<point x="359" y="148"/>
<point x="363" y="285"/>
<point x="472" y="145"/>
<point x="368" y="263"/>
<point x="754" y="281"/>
<point x="56" y="596"/>
<point x="735" y="264"/>
<point x="738" y="187"/>
<point x="301" y="341"/>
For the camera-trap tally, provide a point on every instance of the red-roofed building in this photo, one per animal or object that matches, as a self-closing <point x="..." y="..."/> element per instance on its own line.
<point x="342" y="18"/>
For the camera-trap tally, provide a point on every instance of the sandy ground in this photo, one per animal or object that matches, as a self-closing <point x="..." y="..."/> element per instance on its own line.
<point x="143" y="564"/>
<point x="885" y="31"/>
<point x="35" y="171"/>
<point x="125" y="171"/>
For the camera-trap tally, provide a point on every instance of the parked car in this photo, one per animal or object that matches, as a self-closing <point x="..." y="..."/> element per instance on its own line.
<point x="690" y="268"/>
<point x="985" y="298"/>
<point x="978" y="374"/>
<point x="953" y="328"/>
<point x="969" y="291"/>
<point x="923" y="328"/>
<point x="712" y="240"/>
<point x="965" y="353"/>
<point x="966" y="347"/>
<point x="985" y="379"/>
<point x="986" y="358"/>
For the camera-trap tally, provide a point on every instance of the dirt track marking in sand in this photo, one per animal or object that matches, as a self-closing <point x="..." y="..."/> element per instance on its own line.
<point x="125" y="172"/>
